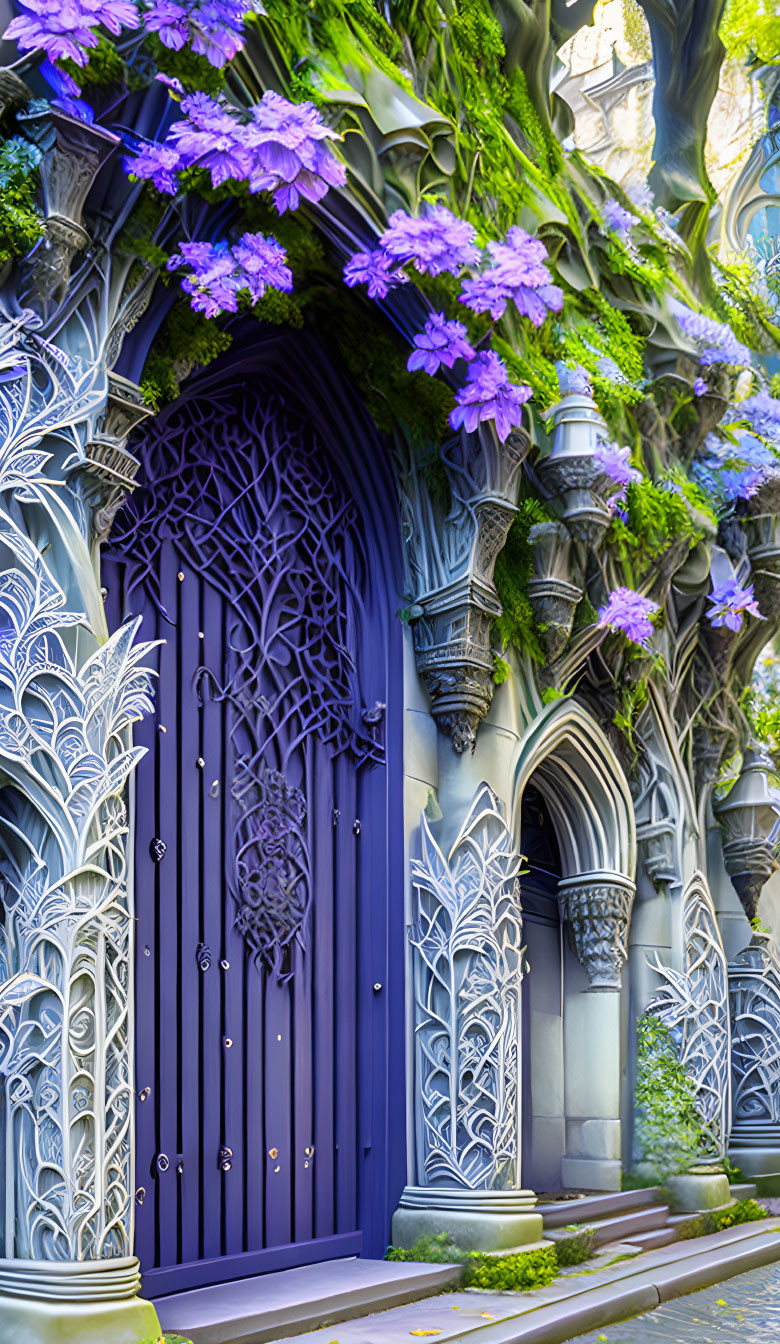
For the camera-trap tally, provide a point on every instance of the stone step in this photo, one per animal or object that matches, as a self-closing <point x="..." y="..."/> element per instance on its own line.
<point x="585" y="1210"/>
<point x="627" y="1226"/>
<point x="291" y="1301"/>
<point x="744" y="1191"/>
<point x="659" y="1236"/>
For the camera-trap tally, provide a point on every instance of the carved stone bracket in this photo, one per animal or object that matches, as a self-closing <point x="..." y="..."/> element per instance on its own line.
<point x="597" y="909"/>
<point x="552" y="595"/>
<point x="452" y="558"/>
<point x="656" y="846"/>
<point x="73" y="152"/>
<point x="108" y="470"/>
<point x="571" y="475"/>
<point x="748" y="816"/>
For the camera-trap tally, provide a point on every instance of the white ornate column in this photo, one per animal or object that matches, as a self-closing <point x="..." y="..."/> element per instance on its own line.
<point x="69" y="694"/>
<point x="596" y="913"/>
<point x="754" y="992"/>
<point x="467" y="960"/>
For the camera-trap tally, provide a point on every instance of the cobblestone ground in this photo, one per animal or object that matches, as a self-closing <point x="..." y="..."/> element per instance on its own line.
<point x="744" y="1309"/>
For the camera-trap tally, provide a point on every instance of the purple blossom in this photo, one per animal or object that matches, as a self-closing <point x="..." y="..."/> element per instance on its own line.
<point x="617" y="219"/>
<point x="64" y="29"/>
<point x="375" y="270"/>
<point x="518" y="275"/>
<point x="700" y="387"/>
<point x="715" y="341"/>
<point x="730" y="471"/>
<point x="440" y="343"/>
<point x="489" y="395"/>
<point x="728" y="604"/>
<point x="436" y="241"/>
<point x="762" y="413"/>
<point x="213" y="28"/>
<point x="615" y="462"/>
<point x="217" y="274"/>
<point x="629" y="613"/>
<point x="158" y="163"/>
<point x="280" y="149"/>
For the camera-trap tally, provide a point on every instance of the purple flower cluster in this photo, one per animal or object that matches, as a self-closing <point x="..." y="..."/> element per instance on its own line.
<point x="489" y="395"/>
<point x="518" y="275"/>
<point x="64" y="29"/>
<point x="376" y="270"/>
<point x="715" y="341"/>
<point x="213" y="28"/>
<point x="218" y="273"/>
<point x="436" y="241"/>
<point x="280" y="149"/>
<point x="439" y="345"/>
<point x="729" y="602"/>
<point x="617" y="219"/>
<point x="762" y="412"/>
<point x="730" y="471"/>
<point x="615" y="462"/>
<point x="628" y="613"/>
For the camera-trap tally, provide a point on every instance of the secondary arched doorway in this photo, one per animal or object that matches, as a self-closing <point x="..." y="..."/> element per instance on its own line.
<point x="573" y="818"/>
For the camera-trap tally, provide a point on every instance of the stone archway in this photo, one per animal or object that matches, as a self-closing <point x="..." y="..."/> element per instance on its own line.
<point x="576" y="1051"/>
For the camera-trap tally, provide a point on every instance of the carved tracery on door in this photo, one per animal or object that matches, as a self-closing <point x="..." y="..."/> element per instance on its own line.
<point x="251" y="503"/>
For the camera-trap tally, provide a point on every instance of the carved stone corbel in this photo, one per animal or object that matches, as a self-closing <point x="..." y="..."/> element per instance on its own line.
<point x="656" y="847"/>
<point x="597" y="909"/>
<point x="108" y="470"/>
<point x="73" y="152"/>
<point x="571" y="475"/>
<point x="749" y="817"/>
<point x="552" y="595"/>
<point x="452" y="557"/>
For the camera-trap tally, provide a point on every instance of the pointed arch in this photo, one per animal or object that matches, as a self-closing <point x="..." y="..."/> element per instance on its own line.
<point x="585" y="789"/>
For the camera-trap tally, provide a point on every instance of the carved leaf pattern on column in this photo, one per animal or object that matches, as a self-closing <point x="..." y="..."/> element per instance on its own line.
<point x="467" y="942"/>
<point x="247" y="494"/>
<point x="66" y="709"/>
<point x="694" y="1005"/>
<point x="754" y="982"/>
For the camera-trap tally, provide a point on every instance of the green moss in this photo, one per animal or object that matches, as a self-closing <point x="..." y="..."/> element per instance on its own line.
<point x="194" y="71"/>
<point x="716" y="1220"/>
<point x="517" y="624"/>
<point x="104" y="66"/>
<point x="519" y="1271"/>
<point x="657" y="518"/>
<point x="576" y="1248"/>
<point x="186" y="340"/>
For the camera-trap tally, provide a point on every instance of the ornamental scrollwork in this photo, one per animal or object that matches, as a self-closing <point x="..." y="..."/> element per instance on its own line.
<point x="246" y="493"/>
<point x="694" y="1004"/>
<point x="467" y="973"/>
<point x="754" y="985"/>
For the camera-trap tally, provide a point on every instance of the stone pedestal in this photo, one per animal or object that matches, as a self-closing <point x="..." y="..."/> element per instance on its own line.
<point x="86" y="1302"/>
<point x="698" y="1190"/>
<point x="591" y="1051"/>
<point x="477" y="1220"/>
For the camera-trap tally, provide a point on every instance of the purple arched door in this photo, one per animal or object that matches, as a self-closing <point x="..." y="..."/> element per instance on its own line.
<point x="268" y="887"/>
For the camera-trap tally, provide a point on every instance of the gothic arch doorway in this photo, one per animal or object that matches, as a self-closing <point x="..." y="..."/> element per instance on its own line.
<point x="573" y="818"/>
<point x="262" y="551"/>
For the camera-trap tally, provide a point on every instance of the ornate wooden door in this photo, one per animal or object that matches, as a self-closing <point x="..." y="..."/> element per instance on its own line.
<point x="269" y="980"/>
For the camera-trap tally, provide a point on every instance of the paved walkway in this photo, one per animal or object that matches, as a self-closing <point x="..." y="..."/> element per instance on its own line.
<point x="745" y="1309"/>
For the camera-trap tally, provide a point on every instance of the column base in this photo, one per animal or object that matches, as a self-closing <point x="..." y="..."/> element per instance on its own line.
<point x="477" y="1220"/>
<point x="755" y="1149"/>
<point x="699" y="1190"/>
<point x="86" y="1302"/>
<point x="590" y="1173"/>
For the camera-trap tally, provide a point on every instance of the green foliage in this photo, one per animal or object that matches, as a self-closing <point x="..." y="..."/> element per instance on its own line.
<point x="670" y="1133"/>
<point x="501" y="670"/>
<point x="576" y="1248"/>
<point x="186" y="341"/>
<point x="517" y="624"/>
<point x="20" y="223"/>
<point x="512" y="1273"/>
<point x="658" y="516"/>
<point x="104" y="66"/>
<point x="715" y="1220"/>
<point x="751" y="30"/>
<point x="194" y="71"/>
<point x="519" y="1271"/>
